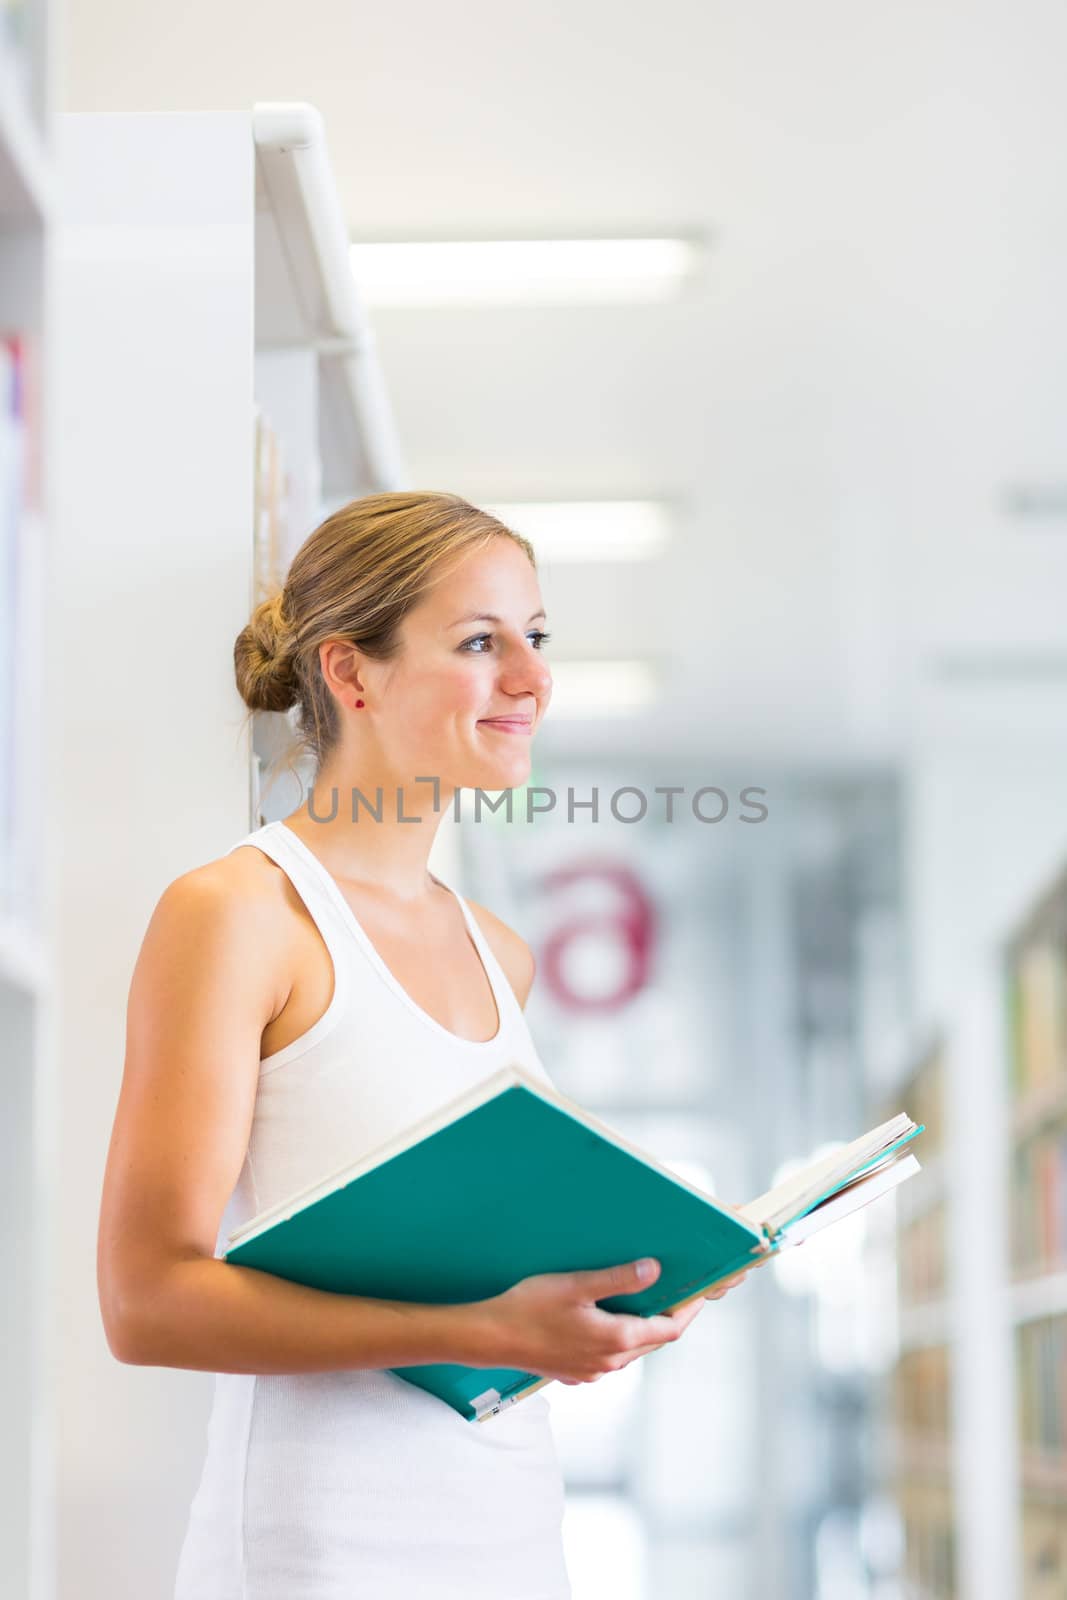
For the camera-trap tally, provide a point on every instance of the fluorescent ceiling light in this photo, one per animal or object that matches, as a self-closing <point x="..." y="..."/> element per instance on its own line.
<point x="588" y="530"/>
<point x="601" y="688"/>
<point x="520" y="271"/>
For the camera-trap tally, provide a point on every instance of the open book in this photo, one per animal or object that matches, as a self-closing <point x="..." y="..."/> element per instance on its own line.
<point x="511" y="1179"/>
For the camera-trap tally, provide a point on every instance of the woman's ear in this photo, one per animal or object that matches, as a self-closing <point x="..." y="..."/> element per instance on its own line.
<point x="340" y="664"/>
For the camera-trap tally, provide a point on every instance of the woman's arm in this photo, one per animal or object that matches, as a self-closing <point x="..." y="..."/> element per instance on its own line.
<point x="209" y="977"/>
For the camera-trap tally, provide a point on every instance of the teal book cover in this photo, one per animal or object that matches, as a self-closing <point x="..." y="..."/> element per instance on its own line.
<point x="510" y="1180"/>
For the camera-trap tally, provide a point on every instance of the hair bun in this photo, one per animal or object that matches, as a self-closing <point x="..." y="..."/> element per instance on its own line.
<point x="264" y="659"/>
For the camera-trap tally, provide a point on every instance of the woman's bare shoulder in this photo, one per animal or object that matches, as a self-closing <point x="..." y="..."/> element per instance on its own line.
<point x="241" y="900"/>
<point x="245" y="874"/>
<point x="511" y="950"/>
<point x="244" y="891"/>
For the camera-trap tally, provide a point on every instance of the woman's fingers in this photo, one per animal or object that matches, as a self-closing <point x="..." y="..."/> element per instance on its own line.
<point x="717" y="1290"/>
<point x="684" y="1315"/>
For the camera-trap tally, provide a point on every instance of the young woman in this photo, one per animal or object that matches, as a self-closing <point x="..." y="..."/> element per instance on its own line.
<point x="296" y="1003"/>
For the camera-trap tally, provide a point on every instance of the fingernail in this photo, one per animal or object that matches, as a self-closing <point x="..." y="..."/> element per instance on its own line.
<point x="646" y="1267"/>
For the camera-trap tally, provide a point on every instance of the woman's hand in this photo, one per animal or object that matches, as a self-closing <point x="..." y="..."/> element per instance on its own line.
<point x="726" y="1285"/>
<point x="550" y="1324"/>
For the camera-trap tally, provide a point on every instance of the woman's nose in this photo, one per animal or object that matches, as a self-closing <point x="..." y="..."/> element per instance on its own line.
<point x="527" y="671"/>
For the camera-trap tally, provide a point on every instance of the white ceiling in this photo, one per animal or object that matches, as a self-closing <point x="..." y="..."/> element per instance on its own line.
<point x="879" y="344"/>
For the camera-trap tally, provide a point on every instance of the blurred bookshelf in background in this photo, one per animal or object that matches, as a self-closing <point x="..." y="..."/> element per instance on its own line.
<point x="919" y="1419"/>
<point x="1037" y="1069"/>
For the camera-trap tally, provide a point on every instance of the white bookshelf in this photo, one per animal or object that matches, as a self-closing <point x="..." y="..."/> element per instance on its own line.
<point x="1043" y="1295"/>
<point x="307" y="303"/>
<point x="979" y="761"/>
<point x="319" y="387"/>
<point x="27" y="859"/>
<point x="202" y="277"/>
<point x="1002" y="1503"/>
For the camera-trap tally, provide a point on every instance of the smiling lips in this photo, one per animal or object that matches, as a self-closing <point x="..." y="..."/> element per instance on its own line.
<point x="508" y="724"/>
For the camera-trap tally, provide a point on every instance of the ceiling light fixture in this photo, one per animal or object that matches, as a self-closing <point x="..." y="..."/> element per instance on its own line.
<point x="444" y="272"/>
<point x="588" y="530"/>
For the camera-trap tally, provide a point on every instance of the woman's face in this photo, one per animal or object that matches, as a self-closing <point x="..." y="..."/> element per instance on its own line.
<point x="471" y="653"/>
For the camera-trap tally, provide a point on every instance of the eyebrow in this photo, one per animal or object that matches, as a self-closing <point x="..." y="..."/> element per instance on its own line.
<point x="487" y="616"/>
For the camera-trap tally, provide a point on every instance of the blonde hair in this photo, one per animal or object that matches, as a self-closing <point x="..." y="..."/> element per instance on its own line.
<point x="355" y="577"/>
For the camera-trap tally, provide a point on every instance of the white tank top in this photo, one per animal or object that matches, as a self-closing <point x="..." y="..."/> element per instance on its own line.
<point x="321" y="1486"/>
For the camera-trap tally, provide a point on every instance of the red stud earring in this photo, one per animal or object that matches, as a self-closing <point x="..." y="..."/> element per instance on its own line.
<point x="358" y="704"/>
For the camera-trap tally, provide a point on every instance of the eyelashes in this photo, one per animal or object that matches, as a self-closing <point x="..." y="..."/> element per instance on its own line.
<point x="537" y="634"/>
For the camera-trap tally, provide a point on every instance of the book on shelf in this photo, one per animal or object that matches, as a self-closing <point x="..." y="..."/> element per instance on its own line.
<point x="1041" y="1373"/>
<point x="513" y="1179"/>
<point x="921" y="1390"/>
<point x="922" y="1259"/>
<point x="924" y="1091"/>
<point x="270" y="509"/>
<point x="1038" y="1006"/>
<point x="930" y="1556"/>
<point x="1037" y="993"/>
<point x="1039" y="1202"/>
